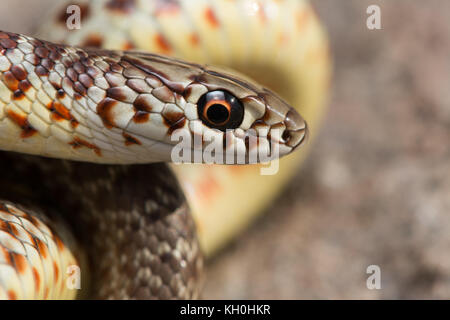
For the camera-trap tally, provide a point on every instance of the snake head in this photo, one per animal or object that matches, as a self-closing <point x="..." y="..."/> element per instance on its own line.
<point x="250" y="117"/>
<point x="225" y="116"/>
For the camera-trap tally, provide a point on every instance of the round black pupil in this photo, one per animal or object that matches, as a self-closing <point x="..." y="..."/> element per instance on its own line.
<point x="217" y="113"/>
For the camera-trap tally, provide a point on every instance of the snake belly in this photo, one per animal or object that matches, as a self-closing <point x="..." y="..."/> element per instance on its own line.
<point x="140" y="240"/>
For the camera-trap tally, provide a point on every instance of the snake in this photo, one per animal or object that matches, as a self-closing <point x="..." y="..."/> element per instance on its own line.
<point x="90" y="206"/>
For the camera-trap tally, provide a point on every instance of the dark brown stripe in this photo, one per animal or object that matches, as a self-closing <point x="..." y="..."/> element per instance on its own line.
<point x="130" y="140"/>
<point x="78" y="143"/>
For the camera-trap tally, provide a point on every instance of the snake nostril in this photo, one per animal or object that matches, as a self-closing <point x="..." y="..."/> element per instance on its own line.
<point x="286" y="136"/>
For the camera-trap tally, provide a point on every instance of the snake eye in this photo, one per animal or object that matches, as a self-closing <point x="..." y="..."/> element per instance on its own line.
<point x="221" y="110"/>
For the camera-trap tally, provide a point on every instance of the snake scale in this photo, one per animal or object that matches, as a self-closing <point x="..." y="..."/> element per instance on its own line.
<point x="86" y="121"/>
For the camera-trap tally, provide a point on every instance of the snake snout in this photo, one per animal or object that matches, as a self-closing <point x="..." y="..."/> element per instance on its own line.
<point x="296" y="131"/>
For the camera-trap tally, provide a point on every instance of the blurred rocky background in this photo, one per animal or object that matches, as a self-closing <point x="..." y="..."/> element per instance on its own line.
<point x="376" y="188"/>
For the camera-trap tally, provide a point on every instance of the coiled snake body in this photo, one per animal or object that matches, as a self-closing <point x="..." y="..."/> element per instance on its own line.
<point x="108" y="108"/>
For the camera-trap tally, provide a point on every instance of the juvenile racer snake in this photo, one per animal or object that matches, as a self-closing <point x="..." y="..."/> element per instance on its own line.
<point x="110" y="110"/>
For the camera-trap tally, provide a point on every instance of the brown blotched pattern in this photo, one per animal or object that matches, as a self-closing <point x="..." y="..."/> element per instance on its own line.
<point x="133" y="221"/>
<point x="88" y="104"/>
<point x="65" y="97"/>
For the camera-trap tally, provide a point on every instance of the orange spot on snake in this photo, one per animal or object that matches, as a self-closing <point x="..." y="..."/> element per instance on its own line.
<point x="59" y="244"/>
<point x="22" y="122"/>
<point x="282" y="39"/>
<point x="24" y="85"/>
<point x="59" y="112"/>
<point x="78" y="143"/>
<point x="261" y="13"/>
<point x="194" y="39"/>
<point x="141" y="117"/>
<point x="163" y="44"/>
<point x="14" y="229"/>
<point x="11" y="82"/>
<point x="4" y="225"/>
<point x="56" y="271"/>
<point x="174" y="120"/>
<point x="93" y="41"/>
<point x="211" y="18"/>
<point x="6" y="255"/>
<point x="18" y="95"/>
<point x="42" y="248"/>
<point x="12" y="295"/>
<point x="207" y="188"/>
<point x="104" y="110"/>
<point x="142" y="104"/>
<point x="128" y="46"/>
<point x="240" y="170"/>
<point x="37" y="278"/>
<point x="20" y="262"/>
<point x="166" y="7"/>
<point x="177" y="125"/>
<point x="303" y="18"/>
